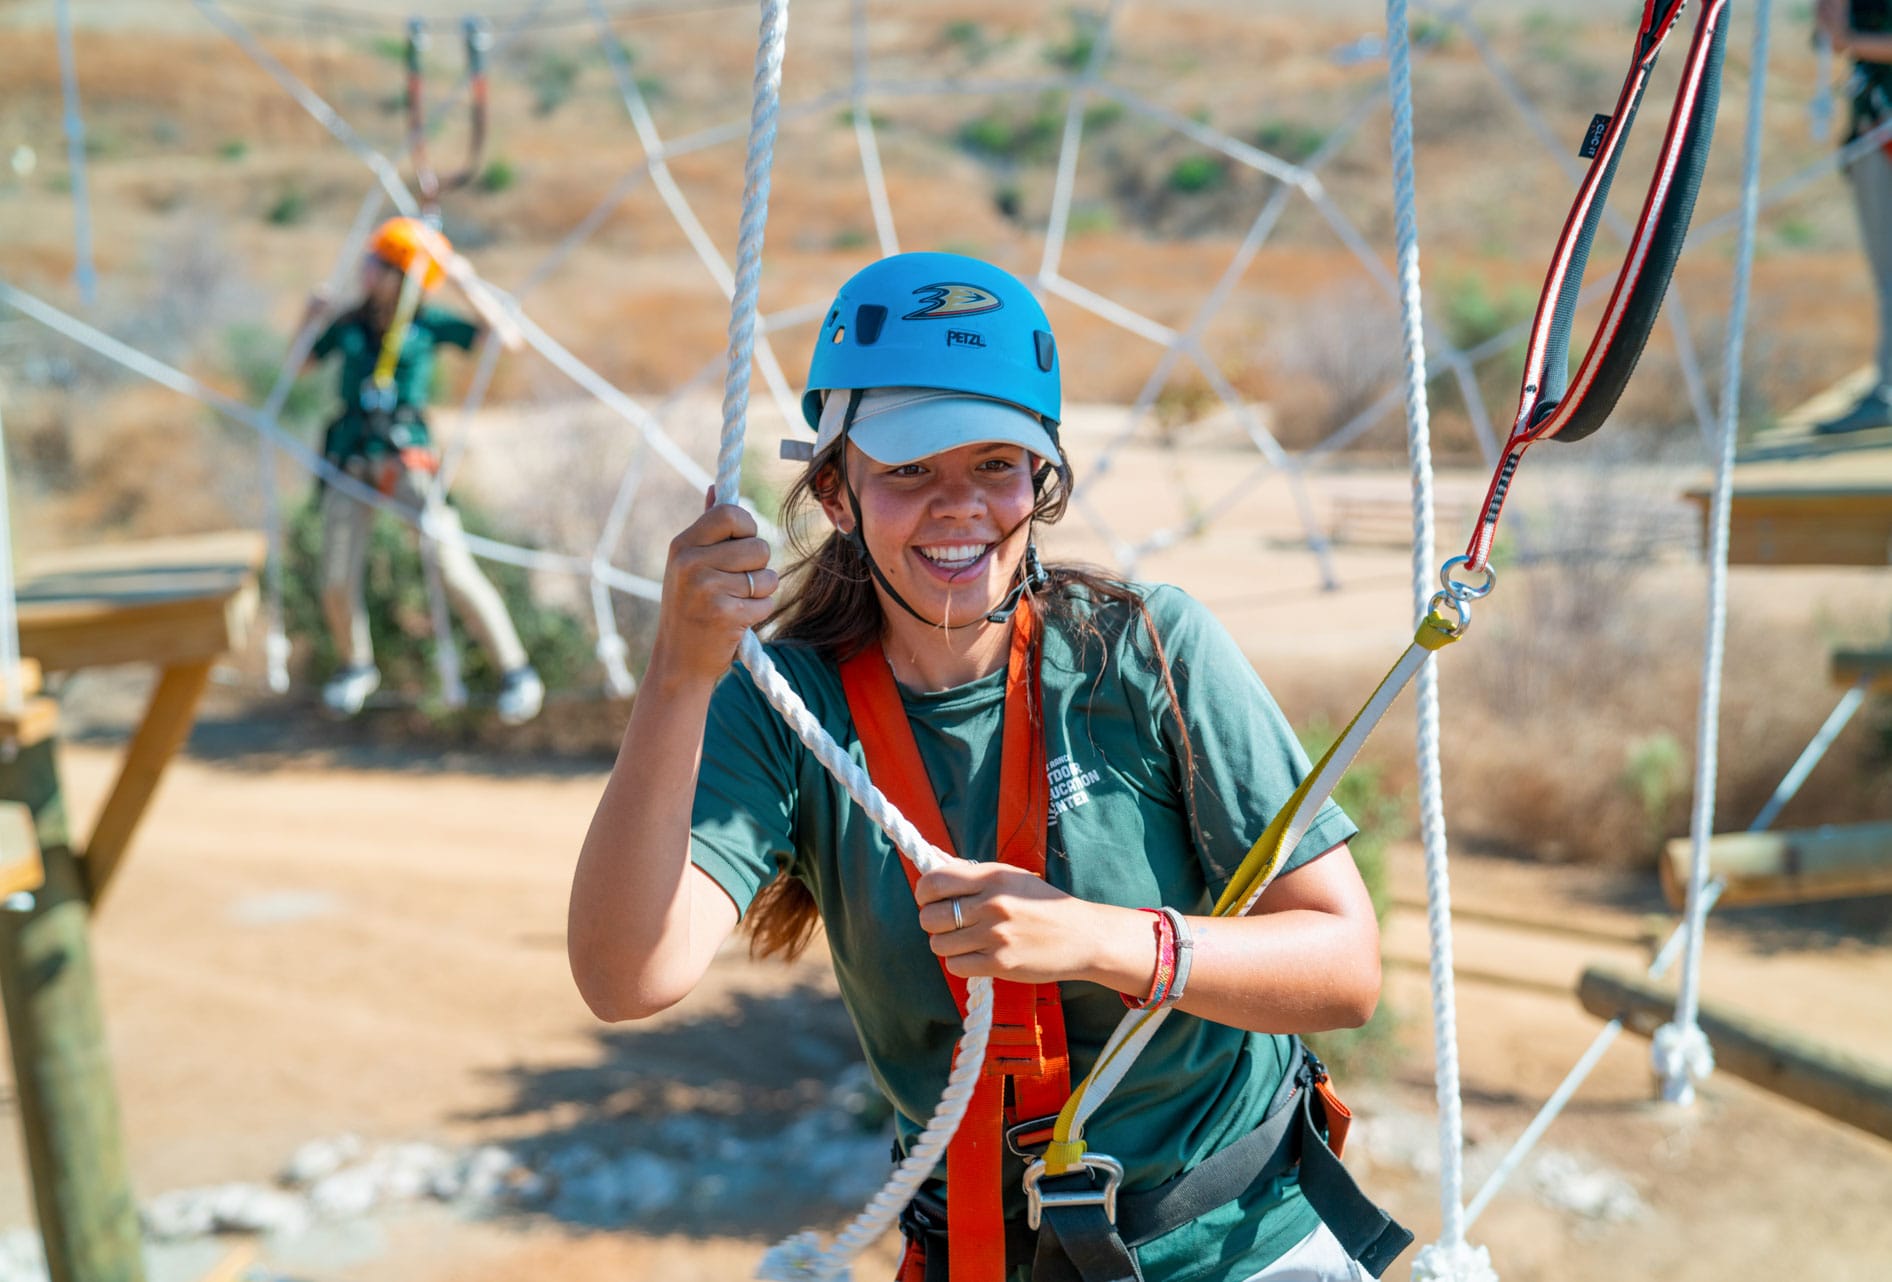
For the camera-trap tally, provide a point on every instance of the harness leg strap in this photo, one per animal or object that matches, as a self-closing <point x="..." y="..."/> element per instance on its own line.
<point x="1368" y="1234"/>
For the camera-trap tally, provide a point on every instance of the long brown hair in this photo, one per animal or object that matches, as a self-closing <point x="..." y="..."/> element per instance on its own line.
<point x="830" y="605"/>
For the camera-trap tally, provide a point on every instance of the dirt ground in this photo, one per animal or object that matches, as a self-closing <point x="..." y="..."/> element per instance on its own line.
<point x="316" y="937"/>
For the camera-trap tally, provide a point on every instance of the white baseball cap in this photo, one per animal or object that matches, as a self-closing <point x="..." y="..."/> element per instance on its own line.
<point x="897" y="425"/>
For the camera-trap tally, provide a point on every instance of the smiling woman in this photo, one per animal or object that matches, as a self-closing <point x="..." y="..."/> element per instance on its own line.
<point x="1100" y="753"/>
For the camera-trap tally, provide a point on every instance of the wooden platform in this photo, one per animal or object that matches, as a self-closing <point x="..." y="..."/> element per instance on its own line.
<point x="1830" y="508"/>
<point x="161" y="601"/>
<point x="179" y="604"/>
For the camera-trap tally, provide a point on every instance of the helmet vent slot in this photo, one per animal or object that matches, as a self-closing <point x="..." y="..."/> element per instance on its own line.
<point x="1047" y="349"/>
<point x="868" y="319"/>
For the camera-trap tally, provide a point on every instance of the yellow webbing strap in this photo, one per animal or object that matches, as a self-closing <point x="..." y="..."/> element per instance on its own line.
<point x="396" y="337"/>
<point x="1263" y="858"/>
<point x="1435" y="633"/>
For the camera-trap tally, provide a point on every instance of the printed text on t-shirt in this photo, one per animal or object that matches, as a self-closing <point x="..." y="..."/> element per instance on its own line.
<point x="1069" y="782"/>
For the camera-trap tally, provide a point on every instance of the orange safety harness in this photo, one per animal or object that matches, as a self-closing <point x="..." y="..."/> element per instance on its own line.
<point x="1027" y="1046"/>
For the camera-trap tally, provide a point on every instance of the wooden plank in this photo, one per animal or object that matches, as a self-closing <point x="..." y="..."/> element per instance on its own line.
<point x="1830" y="1081"/>
<point x="166" y="724"/>
<point x="163" y="601"/>
<point x="67" y="1104"/>
<point x="1849" y="667"/>
<point x="1788" y="867"/>
<point x="1834" y="518"/>
<point x="21" y="868"/>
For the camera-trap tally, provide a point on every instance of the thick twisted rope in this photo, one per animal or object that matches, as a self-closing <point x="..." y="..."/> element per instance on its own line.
<point x="1450" y="1257"/>
<point x="1680" y="1049"/>
<point x="800" y="1257"/>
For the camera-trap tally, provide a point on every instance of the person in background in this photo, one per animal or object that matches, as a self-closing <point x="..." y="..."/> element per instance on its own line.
<point x="387" y="342"/>
<point x="1863" y="28"/>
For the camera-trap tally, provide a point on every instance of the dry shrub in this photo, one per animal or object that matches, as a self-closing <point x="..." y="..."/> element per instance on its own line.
<point x="1341" y="354"/>
<point x="1569" y="712"/>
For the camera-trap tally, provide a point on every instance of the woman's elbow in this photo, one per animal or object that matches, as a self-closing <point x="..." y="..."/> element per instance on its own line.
<point x="1357" y="995"/>
<point x="616" y="988"/>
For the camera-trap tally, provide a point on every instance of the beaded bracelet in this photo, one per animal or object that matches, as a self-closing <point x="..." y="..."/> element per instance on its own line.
<point x="1185" y="955"/>
<point x="1165" y="973"/>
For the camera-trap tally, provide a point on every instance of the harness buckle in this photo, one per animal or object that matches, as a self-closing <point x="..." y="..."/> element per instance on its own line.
<point x="1016" y="1133"/>
<point x="1037" y="1199"/>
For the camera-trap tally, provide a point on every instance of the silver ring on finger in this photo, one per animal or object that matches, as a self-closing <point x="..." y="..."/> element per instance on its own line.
<point x="750" y="576"/>
<point x="959" y="915"/>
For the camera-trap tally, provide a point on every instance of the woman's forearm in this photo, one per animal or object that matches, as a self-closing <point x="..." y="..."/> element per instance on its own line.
<point x="640" y="930"/>
<point x="1301" y="970"/>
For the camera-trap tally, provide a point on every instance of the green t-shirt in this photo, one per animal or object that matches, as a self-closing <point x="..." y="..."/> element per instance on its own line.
<point x="360" y="348"/>
<point x="1119" y="835"/>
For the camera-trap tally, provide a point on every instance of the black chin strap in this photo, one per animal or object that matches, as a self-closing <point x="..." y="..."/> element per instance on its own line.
<point x="1033" y="577"/>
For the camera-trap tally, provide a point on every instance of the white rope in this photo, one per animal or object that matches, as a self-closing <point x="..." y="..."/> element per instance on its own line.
<point x="864" y="139"/>
<point x="1680" y="1050"/>
<point x="84" y="272"/>
<point x="638" y="108"/>
<point x="1836" y="721"/>
<point x="1077" y="100"/>
<point x="1451" y="1257"/>
<point x="800" y="1257"/>
<point x="12" y="688"/>
<point x="311" y="102"/>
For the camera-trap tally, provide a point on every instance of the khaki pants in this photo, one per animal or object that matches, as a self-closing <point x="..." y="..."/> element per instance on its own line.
<point x="346" y="525"/>
<point x="1870" y="176"/>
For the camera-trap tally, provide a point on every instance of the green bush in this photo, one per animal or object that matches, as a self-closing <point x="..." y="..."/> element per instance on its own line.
<point x="233" y="149"/>
<point x="1005" y="133"/>
<point x="1292" y="140"/>
<point x="499" y="175"/>
<point x="1195" y="174"/>
<point x="1087" y="218"/>
<point x="290" y="207"/>
<point x="1474" y="314"/>
<point x="552" y="77"/>
<point x="401" y="622"/>
<point x="1074" y="51"/>
<point x="1656" y="774"/>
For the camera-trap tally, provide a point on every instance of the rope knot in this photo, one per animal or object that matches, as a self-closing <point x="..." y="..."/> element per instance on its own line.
<point x="1453" y="1262"/>
<point x="799" y="1259"/>
<point x="1682" y="1056"/>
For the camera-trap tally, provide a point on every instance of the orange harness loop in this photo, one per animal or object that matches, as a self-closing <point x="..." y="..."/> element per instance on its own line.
<point x="1027" y="1045"/>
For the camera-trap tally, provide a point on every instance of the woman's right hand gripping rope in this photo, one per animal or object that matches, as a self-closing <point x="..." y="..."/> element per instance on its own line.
<point x="717" y="585"/>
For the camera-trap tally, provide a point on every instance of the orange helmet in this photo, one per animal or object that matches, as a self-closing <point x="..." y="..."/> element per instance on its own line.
<point x="401" y="242"/>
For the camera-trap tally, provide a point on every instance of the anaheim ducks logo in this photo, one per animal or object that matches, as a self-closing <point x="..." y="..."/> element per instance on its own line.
<point x="951" y="299"/>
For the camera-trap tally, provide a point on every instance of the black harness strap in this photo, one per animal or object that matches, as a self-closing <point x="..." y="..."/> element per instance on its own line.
<point x="1080" y="1243"/>
<point x="1551" y="401"/>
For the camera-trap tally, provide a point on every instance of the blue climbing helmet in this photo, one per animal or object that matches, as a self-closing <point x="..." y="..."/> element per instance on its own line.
<point x="940" y="321"/>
